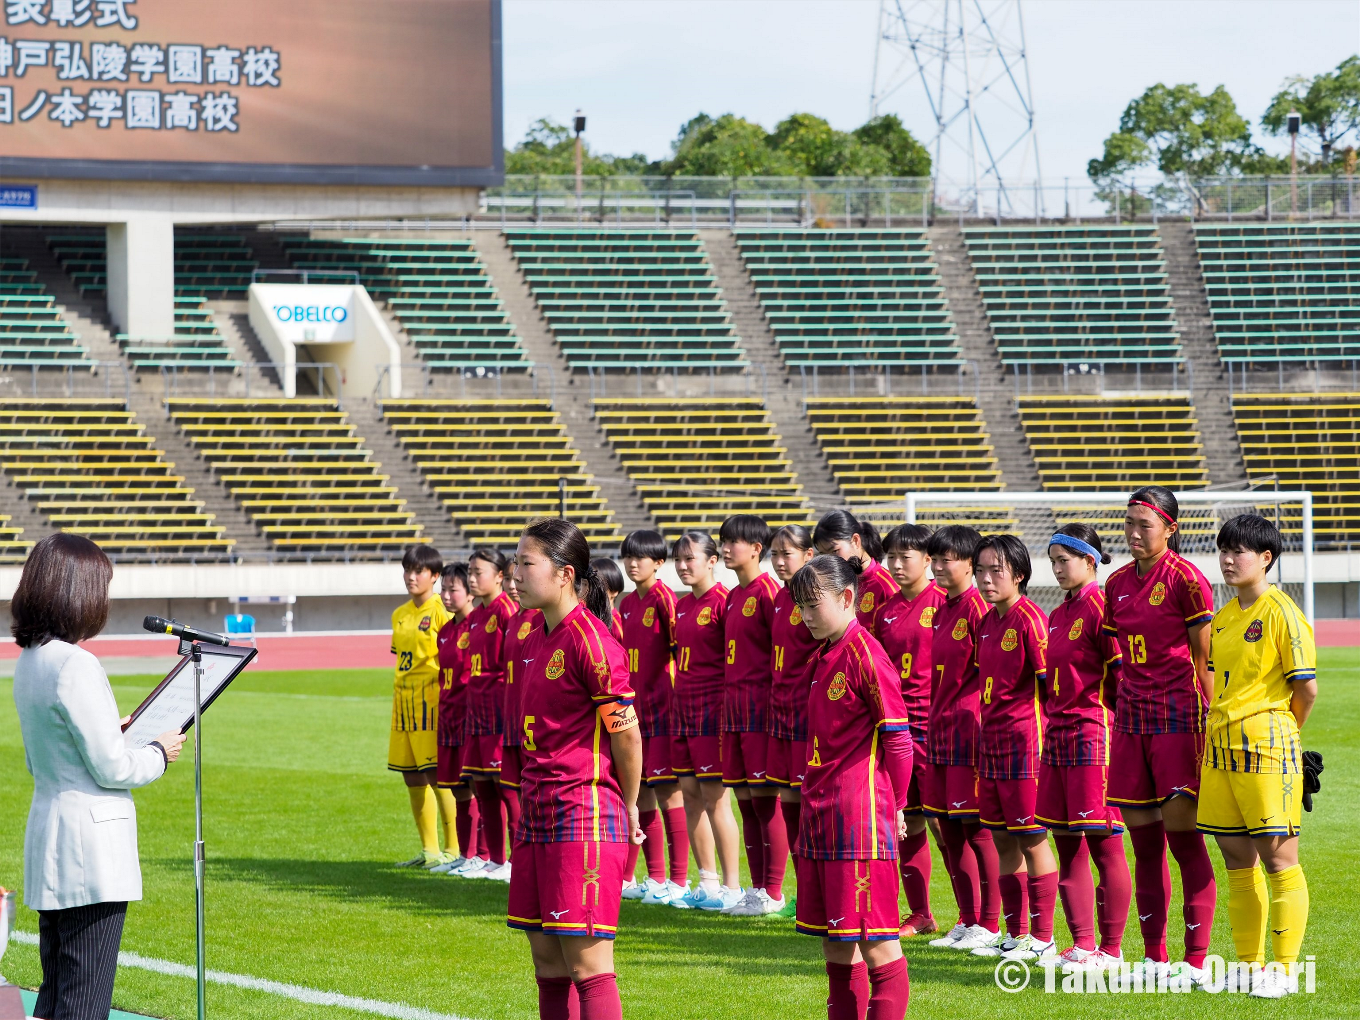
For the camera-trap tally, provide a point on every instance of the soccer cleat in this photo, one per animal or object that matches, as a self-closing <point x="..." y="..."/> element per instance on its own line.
<point x="496" y="872"/>
<point x="1195" y="974"/>
<point x="772" y="905"/>
<point x="450" y="865"/>
<point x="998" y="945"/>
<point x="789" y="909"/>
<point x="654" y="892"/>
<point x="486" y="870"/>
<point x="1101" y="960"/>
<point x="442" y="860"/>
<point x="726" y="898"/>
<point x="916" y="925"/>
<point x="948" y="939"/>
<point x="1027" y="947"/>
<point x="418" y="861"/>
<point x="1272" y="984"/>
<point x="748" y="906"/>
<point x="632" y="890"/>
<point x="470" y="867"/>
<point x="689" y="899"/>
<point x="1155" y="969"/>
<point x="1077" y="957"/>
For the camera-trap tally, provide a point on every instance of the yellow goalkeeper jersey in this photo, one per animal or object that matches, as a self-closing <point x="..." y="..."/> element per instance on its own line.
<point x="415" y="695"/>
<point x="1256" y="655"/>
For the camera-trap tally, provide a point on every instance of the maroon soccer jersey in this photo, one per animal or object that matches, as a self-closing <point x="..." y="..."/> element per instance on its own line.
<point x="791" y="652"/>
<point x="517" y="634"/>
<point x="1012" y="671"/>
<point x="648" y="636"/>
<point x="568" y="790"/>
<point x="616" y="627"/>
<point x="906" y="630"/>
<point x="876" y="586"/>
<point x="1158" y="691"/>
<point x="952" y="732"/>
<point x="699" y="657"/>
<point x="747" y="619"/>
<point x="452" y="641"/>
<point x="1083" y="667"/>
<point x="486" y="665"/>
<point x="849" y="805"/>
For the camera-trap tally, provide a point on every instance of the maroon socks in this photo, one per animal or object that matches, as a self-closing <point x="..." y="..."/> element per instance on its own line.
<point x="557" y="999"/>
<point x="489" y="803"/>
<point x="510" y="803"/>
<point x="790" y="811"/>
<point x="913" y="860"/>
<point x="1043" y="891"/>
<point x="464" y="824"/>
<point x="847" y="991"/>
<point x="964" y="871"/>
<point x="774" y="843"/>
<point x="1198" y="891"/>
<point x="890" y="991"/>
<point x="755" y="849"/>
<point x="653" y="847"/>
<point x="600" y="998"/>
<point x="1078" y="894"/>
<point x="1114" y="891"/>
<point x="1014" y="904"/>
<point x="989" y="875"/>
<point x="677" y="843"/>
<point x="1151" y="886"/>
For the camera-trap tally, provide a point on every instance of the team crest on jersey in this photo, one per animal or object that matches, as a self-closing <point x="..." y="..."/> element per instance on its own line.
<point x="1158" y="595"/>
<point x="491" y="624"/>
<point x="960" y="630"/>
<point x="705" y="616"/>
<point x="649" y="616"/>
<point x="749" y="609"/>
<point x="557" y="665"/>
<point x="796" y="617"/>
<point x="424" y="624"/>
<point x="525" y="628"/>
<point x="927" y="616"/>
<point x="464" y="639"/>
<point x="866" y="602"/>
<point x="1254" y="631"/>
<point x="1075" y="632"/>
<point x="837" y="688"/>
<point x="1009" y="640"/>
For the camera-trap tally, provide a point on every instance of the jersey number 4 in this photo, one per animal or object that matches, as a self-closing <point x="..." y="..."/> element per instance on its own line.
<point x="404" y="661"/>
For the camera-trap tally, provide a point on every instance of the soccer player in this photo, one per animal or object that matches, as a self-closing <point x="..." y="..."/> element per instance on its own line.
<point x="486" y="705"/>
<point x="517" y="634"/>
<point x="1074" y="765"/>
<point x="747" y="618"/>
<point x="449" y="781"/>
<point x="1013" y="671"/>
<point x="905" y="625"/>
<point x="841" y="533"/>
<point x="858" y="773"/>
<point x="950" y="792"/>
<point x="696" y="723"/>
<point x="1159" y="607"/>
<point x="648" y="613"/>
<point x="613" y="580"/>
<point x="413" y="748"/>
<point x="581" y="767"/>
<point x="1265" y="682"/>
<point x="791" y="648"/>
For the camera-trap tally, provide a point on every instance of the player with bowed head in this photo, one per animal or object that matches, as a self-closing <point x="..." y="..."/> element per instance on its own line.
<point x="580" y="768"/>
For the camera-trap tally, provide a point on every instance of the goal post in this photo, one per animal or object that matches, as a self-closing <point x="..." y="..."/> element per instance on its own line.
<point x="1036" y="515"/>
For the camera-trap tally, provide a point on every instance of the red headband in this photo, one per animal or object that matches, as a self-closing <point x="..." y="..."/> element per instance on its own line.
<point x="1155" y="509"/>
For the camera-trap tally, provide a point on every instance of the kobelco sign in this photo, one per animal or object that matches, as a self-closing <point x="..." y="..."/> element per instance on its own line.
<point x="309" y="314"/>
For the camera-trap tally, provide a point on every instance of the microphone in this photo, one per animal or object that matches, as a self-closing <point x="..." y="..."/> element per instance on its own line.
<point x="159" y="626"/>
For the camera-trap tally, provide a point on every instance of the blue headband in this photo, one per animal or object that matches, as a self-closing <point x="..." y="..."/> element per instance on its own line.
<point x="1077" y="544"/>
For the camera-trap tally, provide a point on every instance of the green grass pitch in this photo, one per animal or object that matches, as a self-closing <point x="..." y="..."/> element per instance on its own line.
<point x="303" y="823"/>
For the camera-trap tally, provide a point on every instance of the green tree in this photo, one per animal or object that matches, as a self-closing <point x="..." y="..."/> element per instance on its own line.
<point x="1328" y="106"/>
<point x="728" y="146"/>
<point x="906" y="156"/>
<point x="549" y="148"/>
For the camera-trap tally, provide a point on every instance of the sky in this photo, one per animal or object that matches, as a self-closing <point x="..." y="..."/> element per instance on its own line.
<point x="639" y="69"/>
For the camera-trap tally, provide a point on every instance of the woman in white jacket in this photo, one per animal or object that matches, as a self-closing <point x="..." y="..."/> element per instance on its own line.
<point x="80" y="847"/>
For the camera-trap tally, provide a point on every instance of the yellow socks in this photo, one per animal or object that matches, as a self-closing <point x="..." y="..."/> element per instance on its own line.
<point x="1288" y="912"/>
<point x="423" y="807"/>
<point x="448" y="812"/>
<point x="1248" y="909"/>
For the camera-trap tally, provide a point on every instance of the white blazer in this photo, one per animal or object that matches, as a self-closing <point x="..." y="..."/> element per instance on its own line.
<point x="81" y="843"/>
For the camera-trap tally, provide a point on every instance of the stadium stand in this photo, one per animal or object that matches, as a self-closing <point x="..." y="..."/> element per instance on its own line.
<point x="438" y="290"/>
<point x="1075" y="294"/>
<point x="83" y="256"/>
<point x="628" y="298"/>
<point x="834" y="297"/>
<point x="13" y="548"/>
<point x="495" y="464"/>
<point x="90" y="467"/>
<point x="1307" y="441"/>
<point x="206" y="265"/>
<point x="32" y="329"/>
<point x="696" y="462"/>
<point x="299" y="471"/>
<point x="1287" y="292"/>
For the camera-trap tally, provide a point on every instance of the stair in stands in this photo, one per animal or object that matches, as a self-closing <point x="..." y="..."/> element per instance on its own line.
<point x="996" y="393"/>
<point x="1212" y="396"/>
<point x="88" y="316"/>
<point x="570" y="393"/>
<point x="783" y="397"/>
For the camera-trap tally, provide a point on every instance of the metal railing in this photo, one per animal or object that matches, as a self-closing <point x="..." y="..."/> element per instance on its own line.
<point x="880" y="378"/>
<point x="1243" y="371"/>
<point x="447" y="382"/>
<point x="110" y="379"/>
<point x="732" y="384"/>
<point x="306" y="274"/>
<point x="1096" y="370"/>
<point x="177" y="381"/>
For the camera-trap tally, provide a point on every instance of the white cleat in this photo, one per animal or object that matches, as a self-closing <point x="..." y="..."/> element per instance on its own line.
<point x="1273" y="984"/>
<point x="772" y="905"/>
<point x="1181" y="971"/>
<point x="1155" y="970"/>
<point x="998" y="945"/>
<point x="975" y="938"/>
<point x="1101" y="960"/>
<point x="1027" y="947"/>
<point x="496" y="872"/>
<point x="949" y="938"/>
<point x="657" y="893"/>
<point x="447" y="866"/>
<point x="470" y="866"/>
<point x="632" y="890"/>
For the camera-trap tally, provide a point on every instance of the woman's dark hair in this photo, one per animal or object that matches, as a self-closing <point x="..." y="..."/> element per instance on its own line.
<point x="795" y="534"/>
<point x="747" y="528"/>
<point x="647" y="545"/>
<point x="1012" y="552"/>
<point x="840" y="525"/>
<point x="956" y="540"/>
<point x="455" y="573"/>
<point x="495" y="557"/>
<point x="1252" y="532"/>
<point x="1164" y="500"/>
<point x="1087" y="534"/>
<point x="423" y="557"/>
<point x="907" y="537"/>
<point x="700" y="540"/>
<point x="563" y="543"/>
<point x="63" y="593"/>
<point x="822" y="575"/>
<point x="610" y="572"/>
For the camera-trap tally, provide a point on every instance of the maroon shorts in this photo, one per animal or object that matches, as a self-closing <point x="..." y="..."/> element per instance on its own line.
<point x="567" y="888"/>
<point x="448" y="771"/>
<point x="1151" y="768"/>
<point x="786" y="761"/>
<point x="847" y="901"/>
<point x="482" y="756"/>
<point x="1008" y="804"/>
<point x="744" y="761"/>
<point x="656" y="761"/>
<point x="949" y="791"/>
<point x="509" y="773"/>
<point x="700" y="757"/>
<point x="1073" y="797"/>
<point x="919" y="771"/>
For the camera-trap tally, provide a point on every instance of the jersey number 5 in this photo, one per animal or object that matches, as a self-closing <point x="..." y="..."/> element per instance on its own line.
<point x="529" y="744"/>
<point x="404" y="661"/>
<point x="1137" y="648"/>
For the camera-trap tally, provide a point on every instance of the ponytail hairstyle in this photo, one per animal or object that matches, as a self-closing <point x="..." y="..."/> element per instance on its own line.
<point x="1163" y="503"/>
<point x="495" y="557"/>
<point x="610" y="573"/>
<point x="1012" y="552"/>
<point x="563" y="543"/>
<point x="700" y="540"/>
<point x="841" y="525"/>
<point x="795" y="535"/>
<point x="1085" y="533"/>
<point x="825" y="575"/>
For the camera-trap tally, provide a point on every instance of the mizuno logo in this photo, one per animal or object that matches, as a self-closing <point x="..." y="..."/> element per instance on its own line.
<point x="1052" y="629"/>
<point x="1279" y="931"/>
<point x="527" y="661"/>
<point x="1143" y="917"/>
<point x="889" y="619"/>
<point x="832" y="922"/>
<point x="680" y="616"/>
<point x="1085" y="813"/>
<point x="704" y="768"/>
<point x="1034" y="913"/>
<point x="758" y="774"/>
<point x="960" y="803"/>
<point x="558" y="913"/>
<point x="626" y="615"/>
<point x="1192" y="927"/>
<point x="1218" y="630"/>
<point x="1122" y="598"/>
<point x="778" y="609"/>
<point x="1264" y="820"/>
<point x="658" y="772"/>
<point x="1021" y="821"/>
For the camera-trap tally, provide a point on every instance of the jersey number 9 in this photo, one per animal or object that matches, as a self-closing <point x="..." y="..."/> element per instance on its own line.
<point x="906" y="665"/>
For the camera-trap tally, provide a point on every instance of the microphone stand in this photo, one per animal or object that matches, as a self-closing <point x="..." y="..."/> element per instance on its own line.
<point x="194" y="649"/>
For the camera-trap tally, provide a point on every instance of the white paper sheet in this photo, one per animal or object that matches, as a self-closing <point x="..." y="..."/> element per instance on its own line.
<point x="175" y="703"/>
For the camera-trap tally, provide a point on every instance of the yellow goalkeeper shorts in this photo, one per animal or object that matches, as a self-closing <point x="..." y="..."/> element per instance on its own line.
<point x="1249" y="803"/>
<point x="413" y="750"/>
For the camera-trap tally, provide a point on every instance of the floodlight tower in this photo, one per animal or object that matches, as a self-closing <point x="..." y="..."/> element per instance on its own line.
<point x="957" y="73"/>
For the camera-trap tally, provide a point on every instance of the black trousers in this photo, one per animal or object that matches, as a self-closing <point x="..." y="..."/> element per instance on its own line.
<point x="79" y="951"/>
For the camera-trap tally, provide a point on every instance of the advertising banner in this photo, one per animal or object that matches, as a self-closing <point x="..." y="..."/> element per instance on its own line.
<point x="309" y="313"/>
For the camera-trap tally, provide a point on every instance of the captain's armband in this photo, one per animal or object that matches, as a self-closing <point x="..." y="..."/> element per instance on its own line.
<point x="617" y="717"/>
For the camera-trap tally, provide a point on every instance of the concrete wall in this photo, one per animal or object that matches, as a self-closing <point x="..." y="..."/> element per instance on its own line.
<point x="141" y="276"/>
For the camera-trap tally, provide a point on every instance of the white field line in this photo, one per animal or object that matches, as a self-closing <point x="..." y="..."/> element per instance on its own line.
<point x="396" y="1010"/>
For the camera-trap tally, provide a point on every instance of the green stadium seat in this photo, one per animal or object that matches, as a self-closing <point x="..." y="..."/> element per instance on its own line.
<point x="32" y="328"/>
